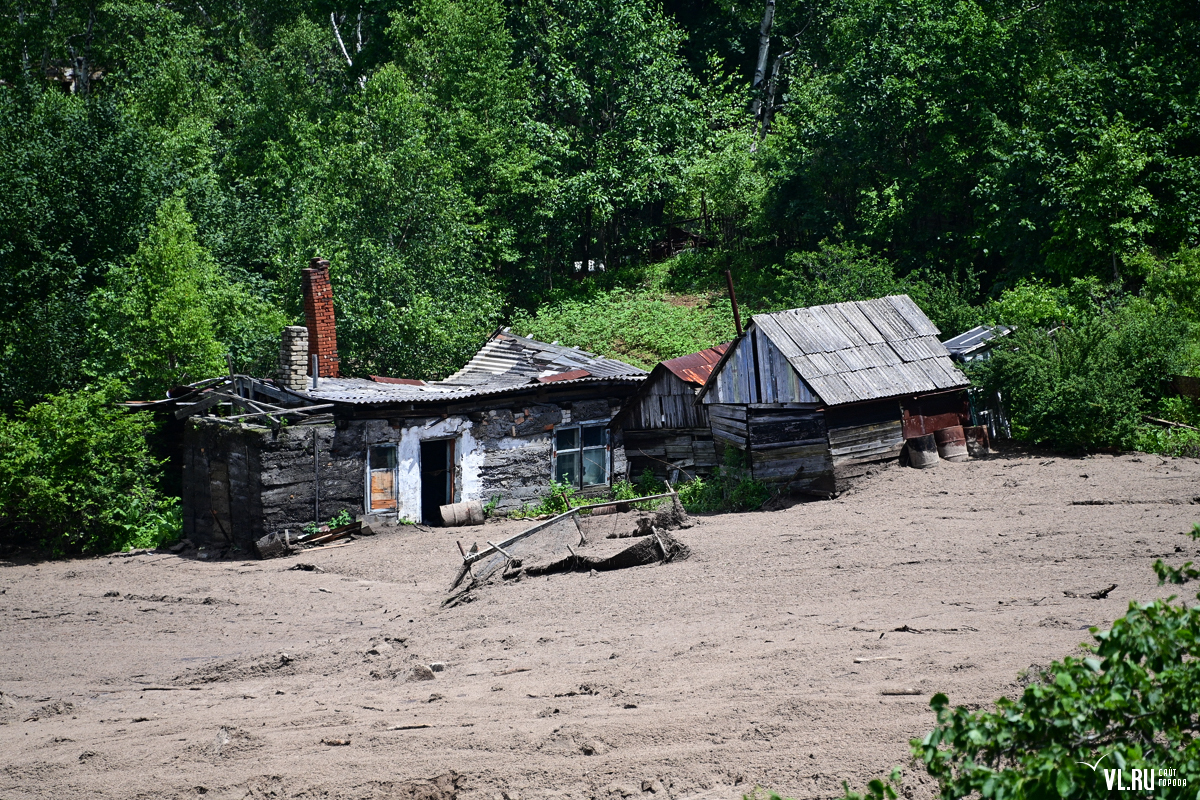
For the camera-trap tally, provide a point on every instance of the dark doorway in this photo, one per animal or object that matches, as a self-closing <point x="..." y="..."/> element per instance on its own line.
<point x="437" y="478"/>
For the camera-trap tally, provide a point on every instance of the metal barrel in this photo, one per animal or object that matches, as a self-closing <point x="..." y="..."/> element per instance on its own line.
<point x="952" y="443"/>
<point x="458" y="514"/>
<point x="977" y="440"/>
<point x="922" y="451"/>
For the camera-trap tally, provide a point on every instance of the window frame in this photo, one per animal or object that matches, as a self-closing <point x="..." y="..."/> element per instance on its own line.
<point x="580" y="448"/>
<point x="370" y="509"/>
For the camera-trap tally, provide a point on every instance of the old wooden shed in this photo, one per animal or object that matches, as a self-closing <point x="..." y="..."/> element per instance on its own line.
<point x="816" y="395"/>
<point x="664" y="429"/>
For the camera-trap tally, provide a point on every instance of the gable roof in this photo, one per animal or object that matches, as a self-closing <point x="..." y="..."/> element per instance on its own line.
<point x="695" y="368"/>
<point x="863" y="350"/>
<point x="505" y="363"/>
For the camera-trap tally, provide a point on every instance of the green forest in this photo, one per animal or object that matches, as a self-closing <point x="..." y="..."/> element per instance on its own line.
<point x="585" y="172"/>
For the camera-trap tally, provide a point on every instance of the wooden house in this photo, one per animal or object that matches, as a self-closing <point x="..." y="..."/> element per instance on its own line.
<point x="814" y="396"/>
<point x="664" y="429"/>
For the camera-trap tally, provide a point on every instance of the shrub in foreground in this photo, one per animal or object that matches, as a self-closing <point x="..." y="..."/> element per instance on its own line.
<point x="77" y="477"/>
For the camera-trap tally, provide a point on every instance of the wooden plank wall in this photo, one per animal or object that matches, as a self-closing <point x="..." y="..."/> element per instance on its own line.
<point x="666" y="402"/>
<point x="691" y="450"/>
<point x="774" y="381"/>
<point x="735" y="381"/>
<point x="861" y="435"/>
<point x="788" y="445"/>
<point x="729" y="424"/>
<point x="779" y="381"/>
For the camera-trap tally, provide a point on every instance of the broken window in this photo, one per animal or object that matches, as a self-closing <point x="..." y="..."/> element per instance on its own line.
<point x="581" y="455"/>
<point x="382" y="467"/>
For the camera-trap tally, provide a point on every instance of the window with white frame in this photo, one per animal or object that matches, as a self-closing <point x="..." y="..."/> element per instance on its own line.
<point x="581" y="455"/>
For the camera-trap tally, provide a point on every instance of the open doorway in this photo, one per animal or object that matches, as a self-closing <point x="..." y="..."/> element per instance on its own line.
<point x="437" y="478"/>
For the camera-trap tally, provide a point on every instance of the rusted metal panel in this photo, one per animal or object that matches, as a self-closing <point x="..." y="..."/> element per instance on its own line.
<point x="930" y="413"/>
<point x="569" y="375"/>
<point x="697" y="367"/>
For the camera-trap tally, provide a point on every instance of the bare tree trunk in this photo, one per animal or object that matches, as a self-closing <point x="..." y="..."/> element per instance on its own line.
<point x="764" y="44"/>
<point x="338" y="35"/>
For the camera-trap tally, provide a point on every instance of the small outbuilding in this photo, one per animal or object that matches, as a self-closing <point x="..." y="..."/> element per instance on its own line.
<point x="815" y="396"/>
<point x="664" y="429"/>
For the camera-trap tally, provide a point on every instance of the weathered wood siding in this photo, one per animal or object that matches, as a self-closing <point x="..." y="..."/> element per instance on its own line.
<point x="788" y="446"/>
<point x="666" y="402"/>
<point x="757" y="372"/>
<point x="778" y="380"/>
<point x="728" y="423"/>
<point x="863" y="434"/>
<point x="691" y="450"/>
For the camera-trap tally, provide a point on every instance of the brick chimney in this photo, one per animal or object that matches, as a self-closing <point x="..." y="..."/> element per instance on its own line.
<point x="318" y="314"/>
<point x="293" y="358"/>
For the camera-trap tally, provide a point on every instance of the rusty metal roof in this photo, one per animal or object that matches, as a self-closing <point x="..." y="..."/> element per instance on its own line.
<point x="695" y="368"/>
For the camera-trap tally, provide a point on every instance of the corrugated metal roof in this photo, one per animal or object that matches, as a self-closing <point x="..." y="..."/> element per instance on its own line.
<point x="695" y="368"/>
<point x="506" y="363"/>
<point x="867" y="350"/>
<point x="975" y="339"/>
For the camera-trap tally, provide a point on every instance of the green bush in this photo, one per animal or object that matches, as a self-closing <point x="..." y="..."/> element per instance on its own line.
<point x="731" y="489"/>
<point x="1089" y="382"/>
<point x="76" y="476"/>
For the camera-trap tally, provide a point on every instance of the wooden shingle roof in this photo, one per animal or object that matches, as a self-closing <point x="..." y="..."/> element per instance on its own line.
<point x="864" y="350"/>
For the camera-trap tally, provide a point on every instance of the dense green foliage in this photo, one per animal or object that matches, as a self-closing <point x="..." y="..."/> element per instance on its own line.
<point x="1130" y="703"/>
<point x="77" y="476"/>
<point x="168" y="168"/>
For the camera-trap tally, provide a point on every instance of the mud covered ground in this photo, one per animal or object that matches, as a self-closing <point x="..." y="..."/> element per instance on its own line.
<point x="161" y="676"/>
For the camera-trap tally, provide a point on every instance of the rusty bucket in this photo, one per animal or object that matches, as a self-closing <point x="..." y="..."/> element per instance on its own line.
<point x="952" y="443"/>
<point x="922" y="451"/>
<point x="977" y="440"/>
<point x="458" y="514"/>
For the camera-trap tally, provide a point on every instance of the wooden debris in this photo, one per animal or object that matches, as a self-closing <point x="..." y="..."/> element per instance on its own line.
<point x="1099" y="595"/>
<point x="408" y="727"/>
<point x="512" y="671"/>
<point x="899" y="691"/>
<point x="877" y="658"/>
<point x="335" y="742"/>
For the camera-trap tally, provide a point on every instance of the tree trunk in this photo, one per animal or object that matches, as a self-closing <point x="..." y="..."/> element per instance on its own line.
<point x="764" y="43"/>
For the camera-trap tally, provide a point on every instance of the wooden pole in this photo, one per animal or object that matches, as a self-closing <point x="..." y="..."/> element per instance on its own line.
<point x="737" y="317"/>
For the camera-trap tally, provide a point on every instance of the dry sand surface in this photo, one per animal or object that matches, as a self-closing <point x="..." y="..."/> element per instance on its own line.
<point x="162" y="676"/>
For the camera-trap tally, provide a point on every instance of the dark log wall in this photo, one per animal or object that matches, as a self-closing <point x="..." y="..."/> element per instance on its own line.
<point x="861" y="435"/>
<point x="242" y="482"/>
